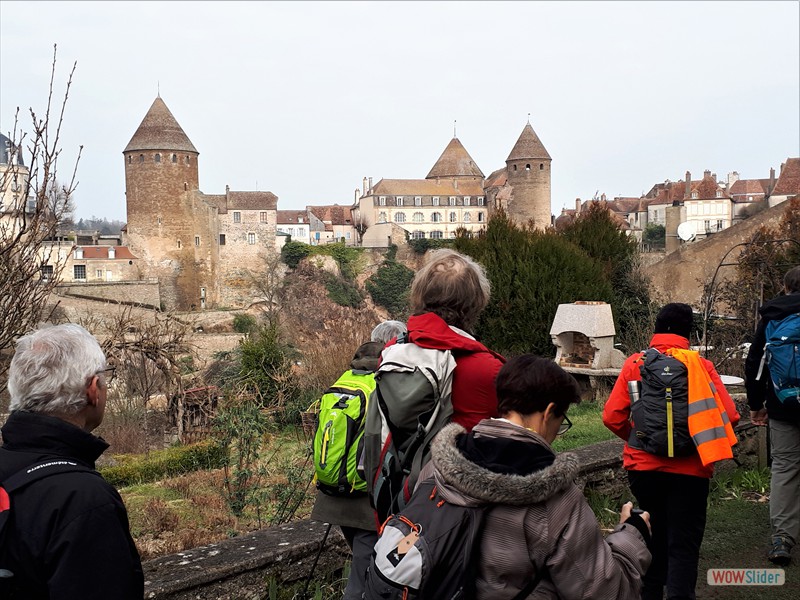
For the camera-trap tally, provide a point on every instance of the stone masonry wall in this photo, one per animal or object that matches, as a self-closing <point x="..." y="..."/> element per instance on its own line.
<point x="145" y="293"/>
<point x="530" y="195"/>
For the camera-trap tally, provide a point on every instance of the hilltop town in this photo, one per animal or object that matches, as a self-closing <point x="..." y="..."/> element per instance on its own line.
<point x="187" y="249"/>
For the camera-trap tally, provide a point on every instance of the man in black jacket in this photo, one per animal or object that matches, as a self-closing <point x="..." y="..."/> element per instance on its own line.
<point x="784" y="423"/>
<point x="67" y="536"/>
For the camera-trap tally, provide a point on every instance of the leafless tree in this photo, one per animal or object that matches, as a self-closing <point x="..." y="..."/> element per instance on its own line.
<point x="266" y="281"/>
<point x="32" y="203"/>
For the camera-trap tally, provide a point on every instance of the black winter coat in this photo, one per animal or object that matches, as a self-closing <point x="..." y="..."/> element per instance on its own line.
<point x="760" y="389"/>
<point x="70" y="534"/>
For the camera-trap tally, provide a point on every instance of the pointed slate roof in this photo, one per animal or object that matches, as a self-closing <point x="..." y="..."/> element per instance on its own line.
<point x="528" y="146"/>
<point x="455" y="161"/>
<point x="160" y="131"/>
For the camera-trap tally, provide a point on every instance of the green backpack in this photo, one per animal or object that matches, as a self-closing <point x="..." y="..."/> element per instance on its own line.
<point x="338" y="441"/>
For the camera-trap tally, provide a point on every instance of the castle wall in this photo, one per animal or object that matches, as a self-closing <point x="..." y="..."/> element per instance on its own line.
<point x="247" y="244"/>
<point x="145" y="293"/>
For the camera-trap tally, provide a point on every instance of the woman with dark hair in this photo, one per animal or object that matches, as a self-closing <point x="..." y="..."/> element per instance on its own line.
<point x="448" y="295"/>
<point x="540" y="527"/>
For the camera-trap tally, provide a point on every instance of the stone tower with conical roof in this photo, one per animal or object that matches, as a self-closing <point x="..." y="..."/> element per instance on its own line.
<point x="528" y="175"/>
<point x="169" y="226"/>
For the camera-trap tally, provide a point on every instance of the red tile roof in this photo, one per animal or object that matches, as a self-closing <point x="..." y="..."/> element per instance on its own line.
<point x="292" y="216"/>
<point x="332" y="214"/>
<point x="252" y="201"/>
<point x="788" y="183"/>
<point x="101" y="252"/>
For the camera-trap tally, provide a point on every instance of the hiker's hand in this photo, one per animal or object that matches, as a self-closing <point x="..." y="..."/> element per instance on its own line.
<point x="759" y="417"/>
<point x="626" y="512"/>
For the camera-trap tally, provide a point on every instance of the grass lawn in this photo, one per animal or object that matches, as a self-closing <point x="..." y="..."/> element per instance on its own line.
<point x="736" y="536"/>
<point x="587" y="427"/>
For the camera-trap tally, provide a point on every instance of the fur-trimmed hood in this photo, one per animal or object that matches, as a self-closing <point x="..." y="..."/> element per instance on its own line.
<point x="465" y="482"/>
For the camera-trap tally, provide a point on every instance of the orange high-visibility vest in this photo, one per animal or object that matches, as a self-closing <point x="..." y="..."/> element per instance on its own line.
<point x="709" y="424"/>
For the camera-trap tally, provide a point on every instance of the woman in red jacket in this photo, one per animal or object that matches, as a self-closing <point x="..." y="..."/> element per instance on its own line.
<point x="447" y="296"/>
<point x="673" y="490"/>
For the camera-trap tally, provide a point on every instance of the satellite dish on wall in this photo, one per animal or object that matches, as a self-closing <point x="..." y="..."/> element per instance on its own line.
<point x="686" y="231"/>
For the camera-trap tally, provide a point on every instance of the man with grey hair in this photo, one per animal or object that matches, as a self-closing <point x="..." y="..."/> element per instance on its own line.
<point x="67" y="535"/>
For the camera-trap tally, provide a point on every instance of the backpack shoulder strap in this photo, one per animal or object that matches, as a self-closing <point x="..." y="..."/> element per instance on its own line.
<point x="43" y="469"/>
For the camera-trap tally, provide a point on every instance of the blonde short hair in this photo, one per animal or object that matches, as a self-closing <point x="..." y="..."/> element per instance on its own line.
<point x="452" y="286"/>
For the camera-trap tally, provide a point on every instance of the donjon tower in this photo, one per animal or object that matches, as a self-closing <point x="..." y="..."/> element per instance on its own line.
<point x="528" y="174"/>
<point x="169" y="227"/>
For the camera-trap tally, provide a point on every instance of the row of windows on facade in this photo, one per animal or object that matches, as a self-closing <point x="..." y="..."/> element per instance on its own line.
<point x="434" y="235"/>
<point x="157" y="158"/>
<point x="418" y="217"/>
<point x="452" y="201"/>
<point x="79" y="272"/>
<point x="262" y="217"/>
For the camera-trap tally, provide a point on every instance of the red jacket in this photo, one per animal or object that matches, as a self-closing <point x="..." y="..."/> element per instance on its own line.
<point x="474" y="396"/>
<point x="617" y="412"/>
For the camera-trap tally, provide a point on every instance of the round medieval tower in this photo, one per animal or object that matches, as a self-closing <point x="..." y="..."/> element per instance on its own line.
<point x="528" y="173"/>
<point x="161" y="180"/>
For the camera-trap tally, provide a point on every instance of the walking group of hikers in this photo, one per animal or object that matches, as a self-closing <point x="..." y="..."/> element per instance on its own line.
<point x="434" y="455"/>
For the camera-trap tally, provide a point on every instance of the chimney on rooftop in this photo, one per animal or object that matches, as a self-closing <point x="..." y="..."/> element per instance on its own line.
<point x="364" y="186"/>
<point x="577" y="205"/>
<point x="355" y="199"/>
<point x="370" y="184"/>
<point x="688" y="191"/>
<point x="771" y="181"/>
<point x="733" y="177"/>
<point x="706" y="174"/>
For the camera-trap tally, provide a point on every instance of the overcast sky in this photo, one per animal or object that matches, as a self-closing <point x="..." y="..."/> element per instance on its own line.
<point x="304" y="99"/>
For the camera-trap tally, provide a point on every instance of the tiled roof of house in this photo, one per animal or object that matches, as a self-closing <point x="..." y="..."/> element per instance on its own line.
<point x="455" y="161"/>
<point x="332" y="214"/>
<point x="252" y="201"/>
<point x="496" y="179"/>
<point x="528" y="146"/>
<point x="101" y="252"/>
<point x="427" y="187"/>
<point x="292" y="216"/>
<point x="625" y="205"/>
<point x="160" y="131"/>
<point x="743" y="187"/>
<point x="788" y="183"/>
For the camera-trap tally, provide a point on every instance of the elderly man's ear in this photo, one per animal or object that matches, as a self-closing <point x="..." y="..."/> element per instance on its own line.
<point x="93" y="391"/>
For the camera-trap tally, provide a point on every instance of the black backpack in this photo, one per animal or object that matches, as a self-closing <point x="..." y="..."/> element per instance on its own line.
<point x="660" y="407"/>
<point x="429" y="551"/>
<point x="8" y="488"/>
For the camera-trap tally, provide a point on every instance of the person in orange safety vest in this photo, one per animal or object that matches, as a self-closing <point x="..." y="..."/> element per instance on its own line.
<point x="673" y="488"/>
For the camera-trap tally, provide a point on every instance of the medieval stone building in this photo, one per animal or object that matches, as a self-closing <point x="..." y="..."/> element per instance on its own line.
<point x="455" y="195"/>
<point x="203" y="248"/>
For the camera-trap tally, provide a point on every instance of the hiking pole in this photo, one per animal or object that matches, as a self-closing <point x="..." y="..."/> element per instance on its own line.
<point x="316" y="560"/>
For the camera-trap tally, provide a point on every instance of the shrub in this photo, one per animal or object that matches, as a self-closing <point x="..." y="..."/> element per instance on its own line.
<point x="654" y="235"/>
<point x="342" y="291"/>
<point x="265" y="366"/>
<point x="158" y="464"/>
<point x="293" y="252"/>
<point x="347" y="258"/>
<point x="531" y="273"/>
<point x="243" y="323"/>
<point x="389" y="287"/>
<point x="421" y="246"/>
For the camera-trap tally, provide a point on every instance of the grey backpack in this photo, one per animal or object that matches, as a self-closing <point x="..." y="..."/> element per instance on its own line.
<point x="410" y="405"/>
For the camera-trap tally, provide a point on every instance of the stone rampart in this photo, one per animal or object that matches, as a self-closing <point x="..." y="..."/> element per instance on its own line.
<point x="134" y="293"/>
